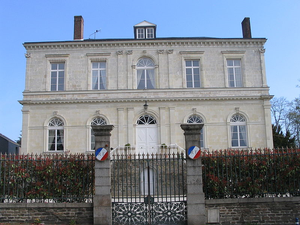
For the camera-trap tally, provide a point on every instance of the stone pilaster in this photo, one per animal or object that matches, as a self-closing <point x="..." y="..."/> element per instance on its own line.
<point x="196" y="213"/>
<point x="102" y="198"/>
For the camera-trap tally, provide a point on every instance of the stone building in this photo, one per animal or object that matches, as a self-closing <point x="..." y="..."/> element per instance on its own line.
<point x="146" y="87"/>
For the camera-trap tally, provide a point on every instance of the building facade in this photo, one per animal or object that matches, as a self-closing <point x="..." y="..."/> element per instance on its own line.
<point x="146" y="87"/>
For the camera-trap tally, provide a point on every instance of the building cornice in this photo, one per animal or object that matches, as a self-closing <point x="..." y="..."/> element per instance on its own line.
<point x="119" y="100"/>
<point x="108" y="43"/>
<point x="154" y="95"/>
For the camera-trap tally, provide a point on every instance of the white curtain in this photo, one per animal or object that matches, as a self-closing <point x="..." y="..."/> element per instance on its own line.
<point x="139" y="78"/>
<point x="151" y="79"/>
<point x="243" y="138"/>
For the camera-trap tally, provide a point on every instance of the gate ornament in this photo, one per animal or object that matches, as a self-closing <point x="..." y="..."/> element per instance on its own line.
<point x="101" y="154"/>
<point x="194" y="152"/>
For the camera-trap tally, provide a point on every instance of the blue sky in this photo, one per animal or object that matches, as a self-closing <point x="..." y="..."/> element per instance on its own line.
<point x="37" y="21"/>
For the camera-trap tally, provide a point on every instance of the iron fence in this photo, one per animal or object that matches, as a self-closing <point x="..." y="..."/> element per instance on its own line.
<point x="46" y="178"/>
<point x="149" y="188"/>
<point x="254" y="173"/>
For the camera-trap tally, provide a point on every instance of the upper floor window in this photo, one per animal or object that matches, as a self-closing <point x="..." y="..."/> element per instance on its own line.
<point x="238" y="130"/>
<point x="57" y="76"/>
<point x="96" y="121"/>
<point x="234" y="73"/>
<point x="198" y="119"/>
<point x="56" y="135"/>
<point x="145" y="33"/>
<point x="192" y="68"/>
<point x="98" y="75"/>
<point x="145" y="74"/>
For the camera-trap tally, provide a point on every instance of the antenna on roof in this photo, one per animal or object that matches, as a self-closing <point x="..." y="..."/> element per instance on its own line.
<point x="95" y="34"/>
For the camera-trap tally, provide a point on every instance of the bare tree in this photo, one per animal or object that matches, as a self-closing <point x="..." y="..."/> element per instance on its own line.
<point x="279" y="110"/>
<point x="294" y="119"/>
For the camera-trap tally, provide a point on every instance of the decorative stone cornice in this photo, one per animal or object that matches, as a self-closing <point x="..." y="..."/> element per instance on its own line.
<point x="191" y="52"/>
<point x="262" y="50"/>
<point x="171" y="99"/>
<point x="129" y="43"/>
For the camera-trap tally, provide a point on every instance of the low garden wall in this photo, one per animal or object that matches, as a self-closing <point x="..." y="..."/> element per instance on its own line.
<point x="252" y="211"/>
<point x="46" y="213"/>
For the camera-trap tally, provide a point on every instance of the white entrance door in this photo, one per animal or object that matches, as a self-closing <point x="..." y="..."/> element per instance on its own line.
<point x="146" y="138"/>
<point x="146" y="135"/>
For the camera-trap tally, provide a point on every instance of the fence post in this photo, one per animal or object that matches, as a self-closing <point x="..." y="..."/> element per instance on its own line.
<point x="196" y="213"/>
<point x="102" y="198"/>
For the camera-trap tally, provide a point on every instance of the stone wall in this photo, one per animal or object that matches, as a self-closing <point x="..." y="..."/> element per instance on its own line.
<point x="253" y="211"/>
<point x="48" y="213"/>
<point x="220" y="211"/>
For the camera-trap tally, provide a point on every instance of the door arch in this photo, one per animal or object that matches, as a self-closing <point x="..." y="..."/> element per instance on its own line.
<point x="146" y="134"/>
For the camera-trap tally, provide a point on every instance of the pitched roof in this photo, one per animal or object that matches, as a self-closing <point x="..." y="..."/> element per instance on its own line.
<point x="9" y="140"/>
<point x="145" y="24"/>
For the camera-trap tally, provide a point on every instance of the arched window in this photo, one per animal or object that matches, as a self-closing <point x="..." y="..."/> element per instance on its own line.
<point x="198" y="119"/>
<point x="96" y="121"/>
<point x="145" y="74"/>
<point x="146" y="120"/>
<point x="56" y="135"/>
<point x="238" y="129"/>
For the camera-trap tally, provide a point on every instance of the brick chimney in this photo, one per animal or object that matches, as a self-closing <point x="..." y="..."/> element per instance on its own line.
<point x="78" y="28"/>
<point x="246" y="28"/>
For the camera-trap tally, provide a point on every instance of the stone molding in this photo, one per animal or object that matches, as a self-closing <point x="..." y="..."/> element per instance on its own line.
<point x="172" y="99"/>
<point x="146" y="43"/>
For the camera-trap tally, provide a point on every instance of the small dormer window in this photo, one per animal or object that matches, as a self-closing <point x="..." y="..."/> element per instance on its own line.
<point x="145" y="30"/>
<point x="140" y="33"/>
<point x="149" y="33"/>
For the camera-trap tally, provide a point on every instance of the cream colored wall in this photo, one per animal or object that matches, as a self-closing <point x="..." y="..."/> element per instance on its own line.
<point x="169" y="116"/>
<point x="121" y="104"/>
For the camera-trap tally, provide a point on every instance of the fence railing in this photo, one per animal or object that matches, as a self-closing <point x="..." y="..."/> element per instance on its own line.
<point x="136" y="176"/>
<point x="226" y="174"/>
<point x="254" y="173"/>
<point x="46" y="178"/>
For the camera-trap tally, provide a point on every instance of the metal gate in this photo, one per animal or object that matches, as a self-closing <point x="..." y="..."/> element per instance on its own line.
<point x="148" y="189"/>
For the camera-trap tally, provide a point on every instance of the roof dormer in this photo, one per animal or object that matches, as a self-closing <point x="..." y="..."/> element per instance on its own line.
<point x="145" y="30"/>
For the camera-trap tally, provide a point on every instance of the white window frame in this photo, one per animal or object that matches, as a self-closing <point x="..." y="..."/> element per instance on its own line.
<point x="239" y="122"/>
<point x="192" y="67"/>
<point x="101" y="75"/>
<point x="57" y="71"/>
<point x="192" y="56"/>
<point x="56" y="59"/>
<point x="234" y="55"/>
<point x="55" y="124"/>
<point x="149" y="33"/>
<point x="146" y="73"/>
<point x="236" y="73"/>
<point x="140" y="33"/>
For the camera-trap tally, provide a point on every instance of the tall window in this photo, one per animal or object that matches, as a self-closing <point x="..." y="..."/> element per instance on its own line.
<point x="99" y="75"/>
<point x="145" y="74"/>
<point x="96" y="121"/>
<point x="192" y="73"/>
<point x="238" y="131"/>
<point x="234" y="73"/>
<point x="198" y="119"/>
<point x="56" y="135"/>
<point x="57" y="76"/>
